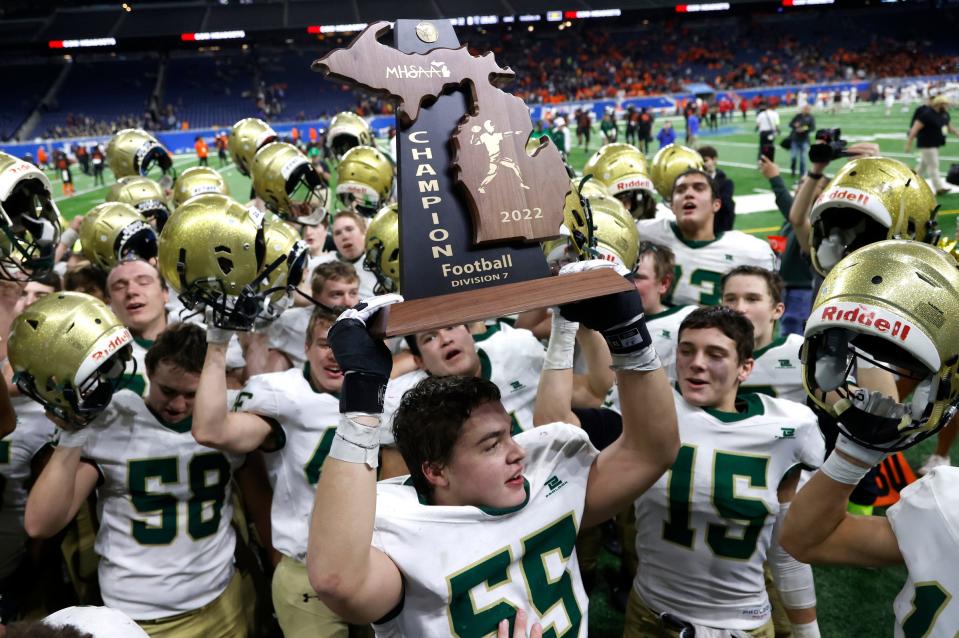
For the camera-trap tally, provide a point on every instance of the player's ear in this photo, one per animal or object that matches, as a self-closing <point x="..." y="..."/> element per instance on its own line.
<point x="745" y="369"/>
<point x="435" y="474"/>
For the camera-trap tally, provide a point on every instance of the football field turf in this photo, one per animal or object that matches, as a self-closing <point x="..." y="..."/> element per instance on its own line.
<point x="852" y="602"/>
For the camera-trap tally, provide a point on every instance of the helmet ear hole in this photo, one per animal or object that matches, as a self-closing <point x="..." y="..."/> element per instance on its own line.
<point x="226" y="264"/>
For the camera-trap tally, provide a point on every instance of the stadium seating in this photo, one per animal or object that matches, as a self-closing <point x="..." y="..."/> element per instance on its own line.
<point x="31" y="82"/>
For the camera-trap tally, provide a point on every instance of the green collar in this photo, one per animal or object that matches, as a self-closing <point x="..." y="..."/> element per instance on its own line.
<point x="491" y="330"/>
<point x="309" y="379"/>
<point x="775" y="343"/>
<point x="670" y="310"/>
<point x="693" y="243"/>
<point x="183" y="426"/>
<point x="747" y="405"/>
<point x="492" y="511"/>
<point x="146" y="344"/>
<point x="486" y="368"/>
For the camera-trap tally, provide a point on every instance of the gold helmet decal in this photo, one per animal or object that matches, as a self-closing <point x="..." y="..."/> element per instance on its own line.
<point x="133" y="151"/>
<point x="346" y="131"/>
<point x="198" y="180"/>
<point x="670" y="162"/>
<point x="68" y="352"/>
<point x="113" y="232"/>
<point x="870" y="199"/>
<point x="29" y="220"/>
<point x="383" y="249"/>
<point x="247" y="137"/>
<point x="364" y="179"/>
<point x="892" y="303"/>
<point x="144" y="194"/>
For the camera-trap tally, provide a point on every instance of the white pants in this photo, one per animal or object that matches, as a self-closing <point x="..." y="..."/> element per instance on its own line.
<point x="928" y="166"/>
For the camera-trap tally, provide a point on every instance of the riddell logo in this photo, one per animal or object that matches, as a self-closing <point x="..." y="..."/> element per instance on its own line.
<point x="846" y="196"/>
<point x="633" y="184"/>
<point x="867" y="318"/>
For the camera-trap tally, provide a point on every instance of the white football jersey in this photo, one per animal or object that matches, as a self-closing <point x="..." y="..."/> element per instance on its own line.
<point x="288" y="334"/>
<point x="466" y="568"/>
<point x="17" y="449"/>
<point x="701" y="264"/>
<point x="703" y="530"/>
<point x="164" y="502"/>
<point x="926" y="524"/>
<point x="777" y="370"/>
<point x="367" y="278"/>
<point x="307" y="419"/>
<point x="511" y="358"/>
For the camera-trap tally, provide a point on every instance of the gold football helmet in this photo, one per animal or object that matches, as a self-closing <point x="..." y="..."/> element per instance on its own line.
<point x="113" y="232"/>
<point x="29" y="220"/>
<point x="870" y="199"/>
<point x="615" y="231"/>
<point x="198" y="180"/>
<point x="383" y="249"/>
<point x="892" y="303"/>
<point x="247" y="137"/>
<point x="670" y="162"/>
<point x="69" y="352"/>
<point x="284" y="178"/>
<point x="622" y="169"/>
<point x="212" y="252"/>
<point x="577" y="241"/>
<point x="133" y="151"/>
<point x="145" y="195"/>
<point x="364" y="179"/>
<point x="283" y="265"/>
<point x="347" y="130"/>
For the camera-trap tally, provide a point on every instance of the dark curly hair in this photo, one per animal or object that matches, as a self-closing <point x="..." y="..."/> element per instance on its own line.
<point x="182" y="345"/>
<point x="428" y="422"/>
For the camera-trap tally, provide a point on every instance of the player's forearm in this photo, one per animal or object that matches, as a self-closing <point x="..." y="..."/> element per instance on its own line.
<point x="814" y="515"/>
<point x="50" y="505"/>
<point x="599" y="376"/>
<point x="255" y="352"/>
<point x="649" y="418"/>
<point x="209" y="409"/>
<point x="802" y="207"/>
<point x="341" y="530"/>
<point x="554" y="398"/>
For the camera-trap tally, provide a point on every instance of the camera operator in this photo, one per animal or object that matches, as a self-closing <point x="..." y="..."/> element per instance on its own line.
<point x="802" y="123"/>
<point x="767" y="123"/>
<point x="928" y="125"/>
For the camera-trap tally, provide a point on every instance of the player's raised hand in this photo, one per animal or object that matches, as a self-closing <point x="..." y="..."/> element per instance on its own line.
<point x="618" y="317"/>
<point x="365" y="360"/>
<point x="519" y="627"/>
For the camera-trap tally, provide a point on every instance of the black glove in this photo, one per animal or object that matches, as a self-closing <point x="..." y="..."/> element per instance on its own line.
<point x="365" y="360"/>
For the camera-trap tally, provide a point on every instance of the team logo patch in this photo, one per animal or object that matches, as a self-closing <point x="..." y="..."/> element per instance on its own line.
<point x="516" y="386"/>
<point x="784" y="363"/>
<point x="787" y="433"/>
<point x="554" y="483"/>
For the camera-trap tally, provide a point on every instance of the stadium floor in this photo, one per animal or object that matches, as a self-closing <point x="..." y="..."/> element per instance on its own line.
<point x="852" y="602"/>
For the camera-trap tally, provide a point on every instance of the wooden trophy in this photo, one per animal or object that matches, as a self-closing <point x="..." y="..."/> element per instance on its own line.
<point x="473" y="203"/>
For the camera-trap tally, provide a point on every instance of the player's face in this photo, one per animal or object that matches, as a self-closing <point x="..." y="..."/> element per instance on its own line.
<point x="486" y="467"/>
<point x="448" y="351"/>
<point x="707" y="368"/>
<point x="629" y="199"/>
<point x="348" y="238"/>
<point x="651" y="289"/>
<point x="172" y="391"/>
<point x="32" y="291"/>
<point x="749" y="296"/>
<point x="324" y="371"/>
<point x="136" y="296"/>
<point x="693" y="202"/>
<point x="337" y="292"/>
<point x="315" y="237"/>
<point x="709" y="163"/>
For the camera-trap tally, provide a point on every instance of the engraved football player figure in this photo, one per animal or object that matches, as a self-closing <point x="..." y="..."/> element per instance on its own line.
<point x="487" y="136"/>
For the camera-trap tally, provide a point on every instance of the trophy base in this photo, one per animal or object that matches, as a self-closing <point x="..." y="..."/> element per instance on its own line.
<point x="429" y="313"/>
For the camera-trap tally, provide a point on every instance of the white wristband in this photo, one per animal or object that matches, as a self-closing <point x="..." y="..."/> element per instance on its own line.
<point x="843" y="471"/>
<point x="73" y="438"/>
<point x="806" y="630"/>
<point x="69" y="237"/>
<point x="645" y="360"/>
<point x="356" y="443"/>
<point x="562" y="343"/>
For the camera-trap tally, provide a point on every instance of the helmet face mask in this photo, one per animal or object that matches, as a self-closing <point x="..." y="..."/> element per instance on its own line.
<point x="145" y="195"/>
<point x="70" y="354"/>
<point x="364" y="180"/>
<point x="29" y="221"/>
<point x="284" y="265"/>
<point x="347" y="130"/>
<point x="623" y="170"/>
<point x="113" y="232"/>
<point x="287" y="182"/>
<point x="887" y="305"/>
<point x="136" y="152"/>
